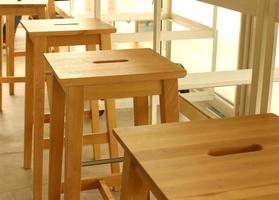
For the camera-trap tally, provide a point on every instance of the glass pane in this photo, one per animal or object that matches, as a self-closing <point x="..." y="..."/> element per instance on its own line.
<point x="194" y="54"/>
<point x="130" y="6"/>
<point x="227" y="52"/>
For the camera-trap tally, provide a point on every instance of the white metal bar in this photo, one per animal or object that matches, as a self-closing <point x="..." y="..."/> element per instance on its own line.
<point x="182" y="35"/>
<point x="215" y="79"/>
<point x="215" y="39"/>
<point x="130" y="17"/>
<point x="157" y="25"/>
<point x="262" y="66"/>
<point x="156" y="47"/>
<point x="199" y="96"/>
<point x="193" y="25"/>
<point x="168" y="26"/>
<point x="219" y="79"/>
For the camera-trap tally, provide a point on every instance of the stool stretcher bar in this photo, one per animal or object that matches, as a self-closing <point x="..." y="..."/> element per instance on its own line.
<point x="102" y="162"/>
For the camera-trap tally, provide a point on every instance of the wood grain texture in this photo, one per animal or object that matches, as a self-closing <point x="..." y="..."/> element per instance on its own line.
<point x="38" y="103"/>
<point x="142" y="65"/>
<point x="73" y="142"/>
<point x="132" y="186"/>
<point x="57" y="139"/>
<point x="180" y="166"/>
<point x="146" y="72"/>
<point x="88" y="29"/>
<point x="10" y="37"/>
<point x="141" y="110"/>
<point x="68" y="26"/>
<point x="169" y="101"/>
<point x="28" y="104"/>
<point x="111" y="123"/>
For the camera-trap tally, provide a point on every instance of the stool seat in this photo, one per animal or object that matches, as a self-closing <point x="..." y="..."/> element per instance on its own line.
<point x="112" y="66"/>
<point x="56" y="27"/>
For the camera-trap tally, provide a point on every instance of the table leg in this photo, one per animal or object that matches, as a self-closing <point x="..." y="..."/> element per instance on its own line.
<point x="169" y="101"/>
<point x="28" y="109"/>
<point x="132" y="186"/>
<point x="56" y="144"/>
<point x="141" y="111"/>
<point x="73" y="142"/>
<point x="39" y="91"/>
<point x="10" y="41"/>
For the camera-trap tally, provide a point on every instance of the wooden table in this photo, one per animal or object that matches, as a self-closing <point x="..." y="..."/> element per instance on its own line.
<point x="42" y="34"/>
<point x="232" y="159"/>
<point x="134" y="73"/>
<point x="11" y="8"/>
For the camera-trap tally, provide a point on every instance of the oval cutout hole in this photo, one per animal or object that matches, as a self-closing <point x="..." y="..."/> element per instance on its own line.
<point x="65" y="24"/>
<point x="110" y="61"/>
<point x="235" y="150"/>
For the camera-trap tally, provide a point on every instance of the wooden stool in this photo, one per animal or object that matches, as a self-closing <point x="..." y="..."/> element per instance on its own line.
<point x="42" y="34"/>
<point x="11" y="8"/>
<point x="233" y="158"/>
<point x="134" y="73"/>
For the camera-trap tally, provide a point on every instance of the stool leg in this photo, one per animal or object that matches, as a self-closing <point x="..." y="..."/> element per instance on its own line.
<point x="141" y="111"/>
<point x="56" y="144"/>
<point x="49" y="80"/>
<point x="1" y="42"/>
<point x="110" y="112"/>
<point x="73" y="142"/>
<point x="95" y="125"/>
<point x="28" y="108"/>
<point x="10" y="41"/>
<point x="111" y="123"/>
<point x="169" y="101"/>
<point x="39" y="86"/>
<point x="132" y="186"/>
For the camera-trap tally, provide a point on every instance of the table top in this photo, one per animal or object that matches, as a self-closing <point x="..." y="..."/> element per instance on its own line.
<point x="23" y="2"/>
<point x="232" y="159"/>
<point x="112" y="66"/>
<point x="70" y="26"/>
